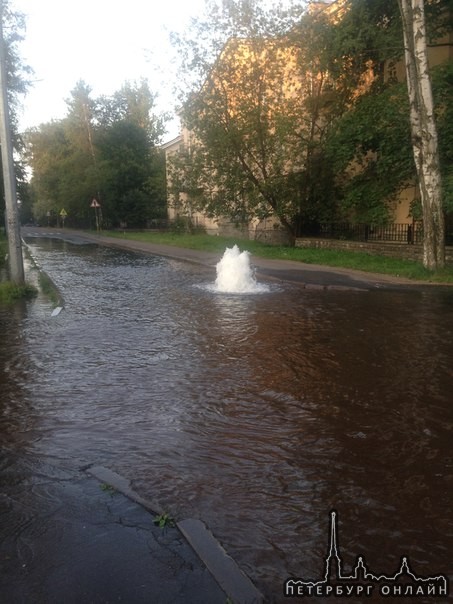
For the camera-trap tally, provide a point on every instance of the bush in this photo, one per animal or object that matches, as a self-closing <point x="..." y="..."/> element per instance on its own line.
<point x="10" y="292"/>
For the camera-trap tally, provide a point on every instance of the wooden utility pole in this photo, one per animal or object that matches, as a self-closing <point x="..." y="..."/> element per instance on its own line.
<point x="16" y="262"/>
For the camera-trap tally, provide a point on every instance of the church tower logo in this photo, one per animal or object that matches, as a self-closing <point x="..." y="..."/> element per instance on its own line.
<point x="361" y="582"/>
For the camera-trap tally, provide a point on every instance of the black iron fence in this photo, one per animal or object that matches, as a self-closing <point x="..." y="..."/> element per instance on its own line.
<point x="395" y="233"/>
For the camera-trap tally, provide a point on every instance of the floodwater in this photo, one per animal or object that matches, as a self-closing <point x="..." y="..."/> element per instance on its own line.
<point x="258" y="414"/>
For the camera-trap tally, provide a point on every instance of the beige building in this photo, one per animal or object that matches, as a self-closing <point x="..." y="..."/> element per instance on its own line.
<point x="180" y="207"/>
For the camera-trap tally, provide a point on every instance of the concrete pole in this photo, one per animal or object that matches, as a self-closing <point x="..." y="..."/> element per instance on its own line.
<point x="16" y="262"/>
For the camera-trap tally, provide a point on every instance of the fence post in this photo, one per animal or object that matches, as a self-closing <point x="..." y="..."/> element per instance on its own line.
<point x="410" y="235"/>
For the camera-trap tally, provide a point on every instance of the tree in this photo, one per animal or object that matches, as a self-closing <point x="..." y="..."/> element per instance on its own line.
<point x="246" y="117"/>
<point x="134" y="103"/>
<point x="127" y="167"/>
<point x="63" y="173"/>
<point x="442" y="80"/>
<point x="269" y="104"/>
<point x="370" y="154"/>
<point x="370" y="144"/>
<point x="423" y="131"/>
<point x="323" y="98"/>
<point x="105" y="148"/>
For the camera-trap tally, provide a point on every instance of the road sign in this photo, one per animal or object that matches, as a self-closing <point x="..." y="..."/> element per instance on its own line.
<point x="95" y="204"/>
<point x="63" y="213"/>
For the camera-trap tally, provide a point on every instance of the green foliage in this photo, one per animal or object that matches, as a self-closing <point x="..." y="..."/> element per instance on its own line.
<point x="368" y="34"/>
<point x="164" y="521"/>
<point x="126" y="167"/>
<point x="442" y="79"/>
<point x="371" y="151"/>
<point x="18" y="74"/>
<point x="104" y="149"/>
<point x="133" y="104"/>
<point x="371" y="154"/>
<point x="246" y="123"/>
<point x="107" y="488"/>
<point x="62" y="172"/>
<point x="11" y="292"/>
<point x="346" y="134"/>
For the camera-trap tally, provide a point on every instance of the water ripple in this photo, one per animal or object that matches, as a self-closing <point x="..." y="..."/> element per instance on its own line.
<point x="258" y="414"/>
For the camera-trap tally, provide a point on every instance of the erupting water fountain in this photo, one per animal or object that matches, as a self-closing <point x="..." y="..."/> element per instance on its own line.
<point x="235" y="275"/>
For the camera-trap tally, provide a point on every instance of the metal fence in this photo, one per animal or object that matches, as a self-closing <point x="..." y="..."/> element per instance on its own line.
<point x="395" y="233"/>
<point x="348" y="231"/>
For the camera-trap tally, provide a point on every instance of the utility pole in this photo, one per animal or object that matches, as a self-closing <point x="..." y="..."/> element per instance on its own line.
<point x="16" y="262"/>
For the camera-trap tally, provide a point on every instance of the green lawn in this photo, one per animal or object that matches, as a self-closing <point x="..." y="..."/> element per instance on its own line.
<point x="344" y="259"/>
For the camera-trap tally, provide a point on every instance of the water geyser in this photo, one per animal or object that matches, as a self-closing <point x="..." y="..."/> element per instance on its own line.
<point x="235" y="275"/>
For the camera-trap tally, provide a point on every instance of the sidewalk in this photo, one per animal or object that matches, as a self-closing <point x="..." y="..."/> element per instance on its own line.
<point x="88" y="538"/>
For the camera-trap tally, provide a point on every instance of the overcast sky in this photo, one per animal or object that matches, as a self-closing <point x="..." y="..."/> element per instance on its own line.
<point x="103" y="42"/>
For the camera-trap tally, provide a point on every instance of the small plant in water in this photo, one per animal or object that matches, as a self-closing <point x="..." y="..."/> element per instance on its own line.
<point x="164" y="520"/>
<point x="107" y="488"/>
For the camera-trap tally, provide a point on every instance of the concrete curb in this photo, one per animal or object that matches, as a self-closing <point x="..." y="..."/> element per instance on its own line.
<point x="233" y="581"/>
<point x="223" y="568"/>
<point x="60" y="303"/>
<point x="122" y="485"/>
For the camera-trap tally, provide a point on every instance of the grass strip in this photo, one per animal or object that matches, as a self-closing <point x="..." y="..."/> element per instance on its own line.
<point x="372" y="263"/>
<point x="10" y="292"/>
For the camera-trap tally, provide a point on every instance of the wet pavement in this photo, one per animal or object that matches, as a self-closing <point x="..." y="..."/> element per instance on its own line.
<point x="87" y="537"/>
<point x="92" y="544"/>
<point x="84" y="536"/>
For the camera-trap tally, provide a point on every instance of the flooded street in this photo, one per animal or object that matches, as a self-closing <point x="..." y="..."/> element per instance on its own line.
<point x="257" y="413"/>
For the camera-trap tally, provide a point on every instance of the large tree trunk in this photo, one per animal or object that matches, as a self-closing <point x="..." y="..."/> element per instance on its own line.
<point x="423" y="132"/>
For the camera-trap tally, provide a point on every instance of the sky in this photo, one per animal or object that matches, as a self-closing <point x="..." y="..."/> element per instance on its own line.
<point x="103" y="42"/>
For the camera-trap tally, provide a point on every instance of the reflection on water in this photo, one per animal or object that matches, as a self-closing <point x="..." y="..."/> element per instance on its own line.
<point x="258" y="414"/>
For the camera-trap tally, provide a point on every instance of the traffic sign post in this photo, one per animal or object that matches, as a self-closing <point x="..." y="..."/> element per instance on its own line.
<point x="97" y="212"/>
<point x="63" y="215"/>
